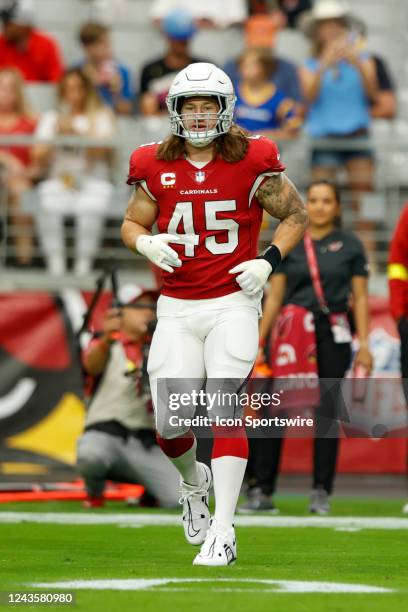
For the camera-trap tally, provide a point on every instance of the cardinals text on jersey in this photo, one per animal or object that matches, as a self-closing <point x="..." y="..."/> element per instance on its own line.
<point x="212" y="208"/>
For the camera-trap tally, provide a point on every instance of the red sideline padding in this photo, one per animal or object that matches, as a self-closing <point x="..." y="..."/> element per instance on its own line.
<point x="117" y="493"/>
<point x="356" y="455"/>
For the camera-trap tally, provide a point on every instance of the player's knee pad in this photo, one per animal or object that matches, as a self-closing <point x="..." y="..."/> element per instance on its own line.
<point x="168" y="428"/>
<point x="170" y="414"/>
<point x="233" y="345"/>
<point x="172" y="417"/>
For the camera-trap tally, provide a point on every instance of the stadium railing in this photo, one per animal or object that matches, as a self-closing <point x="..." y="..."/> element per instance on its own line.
<point x="380" y="208"/>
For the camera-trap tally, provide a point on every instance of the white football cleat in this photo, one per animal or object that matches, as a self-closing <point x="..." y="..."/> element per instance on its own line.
<point x="405" y="509"/>
<point x="219" y="548"/>
<point x="196" y="515"/>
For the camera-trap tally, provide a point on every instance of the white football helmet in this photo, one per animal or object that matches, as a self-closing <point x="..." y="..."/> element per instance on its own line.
<point x="201" y="79"/>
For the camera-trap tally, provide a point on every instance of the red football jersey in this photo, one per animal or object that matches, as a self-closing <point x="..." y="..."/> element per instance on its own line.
<point x="214" y="211"/>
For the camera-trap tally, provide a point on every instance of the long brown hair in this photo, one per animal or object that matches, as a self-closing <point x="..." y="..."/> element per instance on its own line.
<point x="23" y="107"/>
<point x="92" y="100"/>
<point x="93" y="103"/>
<point x="93" y="107"/>
<point x="231" y="147"/>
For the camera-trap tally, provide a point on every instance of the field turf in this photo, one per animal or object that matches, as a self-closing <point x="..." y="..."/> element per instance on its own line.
<point x="32" y="553"/>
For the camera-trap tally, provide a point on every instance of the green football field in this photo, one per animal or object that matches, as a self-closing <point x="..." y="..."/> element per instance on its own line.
<point x="290" y="562"/>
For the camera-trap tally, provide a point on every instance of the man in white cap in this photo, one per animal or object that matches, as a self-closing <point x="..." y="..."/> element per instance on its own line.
<point x="35" y="54"/>
<point x="119" y="440"/>
<point x="326" y="10"/>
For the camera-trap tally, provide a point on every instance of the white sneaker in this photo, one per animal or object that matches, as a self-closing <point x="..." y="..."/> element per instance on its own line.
<point x="219" y="548"/>
<point x="196" y="515"/>
<point x="405" y="509"/>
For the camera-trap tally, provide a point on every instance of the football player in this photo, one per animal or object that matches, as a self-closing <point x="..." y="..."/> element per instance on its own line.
<point x="206" y="187"/>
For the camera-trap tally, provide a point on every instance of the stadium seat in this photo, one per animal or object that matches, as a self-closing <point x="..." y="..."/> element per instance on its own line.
<point x="42" y="96"/>
<point x="73" y="12"/>
<point x="391" y="49"/>
<point x="127" y="13"/>
<point x="218" y="46"/>
<point x="292" y="45"/>
<point x="137" y="46"/>
<point x="379" y="15"/>
<point x="403" y="103"/>
<point x="66" y="35"/>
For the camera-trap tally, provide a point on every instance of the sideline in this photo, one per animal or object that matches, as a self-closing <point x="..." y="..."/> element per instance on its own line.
<point x="148" y="520"/>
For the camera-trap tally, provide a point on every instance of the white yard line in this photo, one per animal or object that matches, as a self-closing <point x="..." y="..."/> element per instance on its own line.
<point x="280" y="586"/>
<point x="138" y="520"/>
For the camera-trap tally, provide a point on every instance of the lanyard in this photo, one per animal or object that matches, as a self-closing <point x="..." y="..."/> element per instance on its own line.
<point x="315" y="273"/>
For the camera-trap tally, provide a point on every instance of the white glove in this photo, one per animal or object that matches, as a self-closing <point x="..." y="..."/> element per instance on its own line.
<point x="158" y="251"/>
<point x="254" y="274"/>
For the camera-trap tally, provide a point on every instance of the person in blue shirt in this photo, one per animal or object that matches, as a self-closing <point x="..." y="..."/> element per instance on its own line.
<point x="339" y="84"/>
<point x="112" y="79"/>
<point x="284" y="75"/>
<point x="262" y="107"/>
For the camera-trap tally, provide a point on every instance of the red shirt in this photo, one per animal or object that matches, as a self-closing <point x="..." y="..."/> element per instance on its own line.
<point x="25" y="125"/>
<point x="214" y="211"/>
<point x="398" y="268"/>
<point x="39" y="61"/>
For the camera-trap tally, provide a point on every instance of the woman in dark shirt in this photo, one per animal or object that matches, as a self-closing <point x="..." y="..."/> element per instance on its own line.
<point x="343" y="270"/>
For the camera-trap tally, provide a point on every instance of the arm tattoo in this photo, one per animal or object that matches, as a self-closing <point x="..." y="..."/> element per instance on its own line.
<point x="280" y="198"/>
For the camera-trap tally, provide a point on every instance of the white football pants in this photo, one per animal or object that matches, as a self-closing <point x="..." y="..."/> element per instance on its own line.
<point x="201" y="339"/>
<point x="87" y="204"/>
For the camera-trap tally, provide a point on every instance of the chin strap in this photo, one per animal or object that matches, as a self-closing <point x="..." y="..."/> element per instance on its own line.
<point x="200" y="143"/>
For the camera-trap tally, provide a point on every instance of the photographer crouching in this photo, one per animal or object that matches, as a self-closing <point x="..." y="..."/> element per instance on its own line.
<point x="119" y="440"/>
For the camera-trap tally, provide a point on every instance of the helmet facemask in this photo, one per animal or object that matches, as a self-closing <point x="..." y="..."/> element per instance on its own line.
<point x="215" y="124"/>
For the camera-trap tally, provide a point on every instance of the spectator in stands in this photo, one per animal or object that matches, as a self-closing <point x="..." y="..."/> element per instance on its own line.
<point x="119" y="441"/>
<point x="316" y="280"/>
<point x="77" y="178"/>
<point x="22" y="46"/>
<point x="284" y="74"/>
<point x="178" y="27"/>
<point x="16" y="118"/>
<point x="339" y="82"/>
<point x="112" y="79"/>
<point x="261" y="106"/>
<point x="205" y="14"/>
<point x="291" y="10"/>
